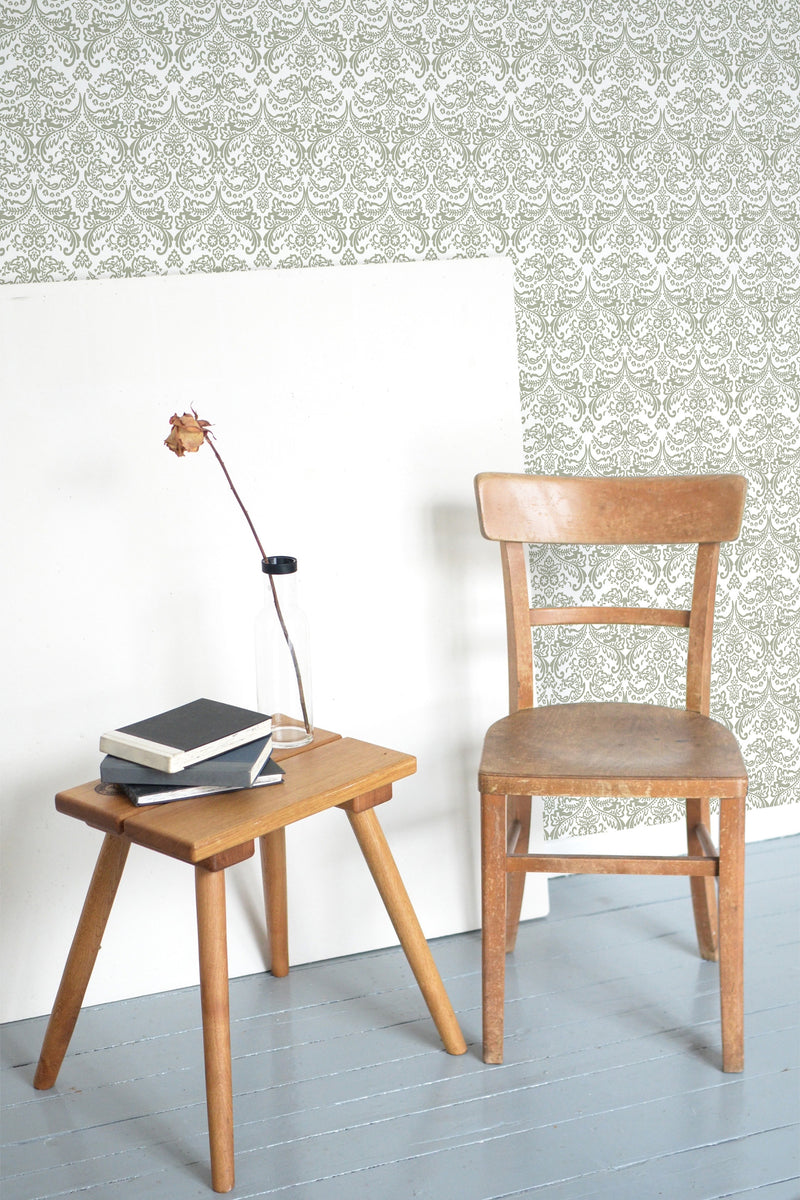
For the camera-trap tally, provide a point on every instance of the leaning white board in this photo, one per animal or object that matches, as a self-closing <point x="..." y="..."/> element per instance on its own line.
<point x="353" y="407"/>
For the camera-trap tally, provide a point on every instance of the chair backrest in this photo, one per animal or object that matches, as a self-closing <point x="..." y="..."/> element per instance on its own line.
<point x="688" y="509"/>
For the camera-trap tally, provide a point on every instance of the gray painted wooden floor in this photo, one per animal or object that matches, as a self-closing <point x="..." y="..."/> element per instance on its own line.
<point x="611" y="1086"/>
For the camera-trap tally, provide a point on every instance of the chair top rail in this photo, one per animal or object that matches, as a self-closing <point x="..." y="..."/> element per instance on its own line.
<point x="654" y="510"/>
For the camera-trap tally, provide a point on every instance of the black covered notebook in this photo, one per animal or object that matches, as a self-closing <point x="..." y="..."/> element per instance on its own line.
<point x="172" y="740"/>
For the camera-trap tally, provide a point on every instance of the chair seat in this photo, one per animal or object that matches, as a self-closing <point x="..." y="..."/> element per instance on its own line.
<point x="611" y="749"/>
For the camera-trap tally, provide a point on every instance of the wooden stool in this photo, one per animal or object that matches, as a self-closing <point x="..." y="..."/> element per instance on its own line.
<point x="212" y="833"/>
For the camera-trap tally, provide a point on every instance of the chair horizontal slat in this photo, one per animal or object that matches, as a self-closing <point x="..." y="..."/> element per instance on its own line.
<point x="589" y="615"/>
<point x="614" y="864"/>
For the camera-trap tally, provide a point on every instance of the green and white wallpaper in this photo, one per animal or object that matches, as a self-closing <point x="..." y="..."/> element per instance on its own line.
<point x="640" y="164"/>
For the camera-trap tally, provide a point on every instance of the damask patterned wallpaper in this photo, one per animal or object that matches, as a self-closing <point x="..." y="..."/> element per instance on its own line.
<point x="639" y="162"/>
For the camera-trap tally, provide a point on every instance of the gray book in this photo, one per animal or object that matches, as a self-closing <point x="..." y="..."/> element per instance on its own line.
<point x="142" y="793"/>
<point x="234" y="768"/>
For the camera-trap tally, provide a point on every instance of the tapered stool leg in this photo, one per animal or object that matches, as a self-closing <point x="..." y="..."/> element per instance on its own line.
<point x="731" y="931"/>
<point x="493" y="908"/>
<point x="81" y="958"/>
<point x="387" y="878"/>
<point x="213" y="948"/>
<point x="273" y="871"/>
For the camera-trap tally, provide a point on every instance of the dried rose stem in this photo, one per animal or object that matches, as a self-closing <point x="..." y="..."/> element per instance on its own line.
<point x="289" y="643"/>
<point x="218" y="456"/>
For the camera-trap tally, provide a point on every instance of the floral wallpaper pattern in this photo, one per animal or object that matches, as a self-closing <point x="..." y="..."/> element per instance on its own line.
<point x="639" y="162"/>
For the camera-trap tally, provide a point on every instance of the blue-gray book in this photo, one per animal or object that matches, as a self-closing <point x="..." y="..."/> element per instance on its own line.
<point x="235" y="768"/>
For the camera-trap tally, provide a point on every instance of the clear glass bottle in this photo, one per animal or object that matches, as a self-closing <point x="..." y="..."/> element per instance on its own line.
<point x="283" y="670"/>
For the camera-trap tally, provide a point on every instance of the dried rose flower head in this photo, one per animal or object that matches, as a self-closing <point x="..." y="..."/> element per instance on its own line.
<point x="187" y="434"/>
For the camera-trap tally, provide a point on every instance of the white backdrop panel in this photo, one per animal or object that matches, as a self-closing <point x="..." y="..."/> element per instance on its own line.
<point x="353" y="407"/>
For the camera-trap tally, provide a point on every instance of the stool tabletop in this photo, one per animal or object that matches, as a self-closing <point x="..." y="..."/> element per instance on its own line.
<point x="330" y="771"/>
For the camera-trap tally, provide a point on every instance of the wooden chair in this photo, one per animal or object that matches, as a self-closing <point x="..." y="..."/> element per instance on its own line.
<point x="612" y="749"/>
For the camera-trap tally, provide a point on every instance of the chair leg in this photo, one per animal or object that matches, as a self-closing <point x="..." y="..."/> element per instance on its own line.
<point x="387" y="878"/>
<point x="213" y="949"/>
<point x="493" y="902"/>
<point x="731" y="932"/>
<point x="519" y="832"/>
<point x="704" y="897"/>
<point x="81" y="958"/>
<point x="273" y="871"/>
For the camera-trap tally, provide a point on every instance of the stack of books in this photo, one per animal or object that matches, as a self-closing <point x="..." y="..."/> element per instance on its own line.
<point x="194" y="750"/>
